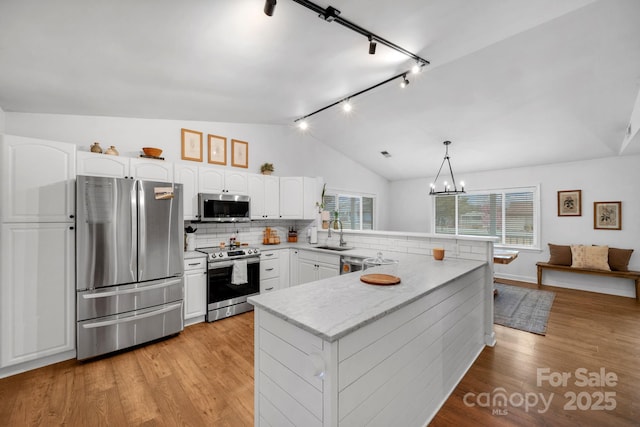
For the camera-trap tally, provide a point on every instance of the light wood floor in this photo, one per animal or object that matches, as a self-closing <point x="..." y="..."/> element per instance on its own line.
<point x="204" y="376"/>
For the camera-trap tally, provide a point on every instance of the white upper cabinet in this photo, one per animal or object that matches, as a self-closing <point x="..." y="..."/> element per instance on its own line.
<point x="218" y="180"/>
<point x="151" y="170"/>
<point x="96" y="164"/>
<point x="235" y="182"/>
<point x="264" y="191"/>
<point x="38" y="180"/>
<point x="187" y="175"/>
<point x="298" y="197"/>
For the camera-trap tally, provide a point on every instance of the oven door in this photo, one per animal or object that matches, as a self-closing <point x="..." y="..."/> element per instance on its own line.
<point x="222" y="293"/>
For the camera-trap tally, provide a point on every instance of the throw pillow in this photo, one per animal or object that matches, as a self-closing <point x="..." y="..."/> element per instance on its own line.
<point x="559" y="254"/>
<point x="595" y="257"/>
<point x="619" y="259"/>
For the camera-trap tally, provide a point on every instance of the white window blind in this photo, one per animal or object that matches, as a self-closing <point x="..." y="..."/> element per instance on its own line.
<point x="355" y="212"/>
<point x="510" y="215"/>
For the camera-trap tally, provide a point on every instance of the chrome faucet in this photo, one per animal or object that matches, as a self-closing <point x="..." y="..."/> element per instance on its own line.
<point x="331" y="222"/>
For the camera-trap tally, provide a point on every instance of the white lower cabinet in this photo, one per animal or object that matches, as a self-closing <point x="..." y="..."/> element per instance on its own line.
<point x="195" y="290"/>
<point x="314" y="266"/>
<point x="37" y="291"/>
<point x="274" y="270"/>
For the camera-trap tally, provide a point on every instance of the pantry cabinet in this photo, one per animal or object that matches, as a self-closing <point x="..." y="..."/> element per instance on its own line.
<point x="37" y="291"/>
<point x="38" y="180"/>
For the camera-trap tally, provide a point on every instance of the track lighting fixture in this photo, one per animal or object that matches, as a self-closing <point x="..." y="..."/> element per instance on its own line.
<point x="347" y="106"/>
<point x="417" y="67"/>
<point x="446" y="187"/>
<point x="346" y="100"/>
<point x="331" y="14"/>
<point x="372" y="46"/>
<point x="404" y="83"/>
<point x="269" y="7"/>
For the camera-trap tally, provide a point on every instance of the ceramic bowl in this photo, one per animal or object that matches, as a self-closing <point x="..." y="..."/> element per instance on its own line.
<point x="151" y="151"/>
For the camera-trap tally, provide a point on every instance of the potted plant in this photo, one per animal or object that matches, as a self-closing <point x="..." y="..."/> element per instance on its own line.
<point x="324" y="215"/>
<point x="266" y="168"/>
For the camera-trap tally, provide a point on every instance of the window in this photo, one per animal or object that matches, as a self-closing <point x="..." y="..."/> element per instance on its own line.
<point x="511" y="215"/>
<point x="355" y="212"/>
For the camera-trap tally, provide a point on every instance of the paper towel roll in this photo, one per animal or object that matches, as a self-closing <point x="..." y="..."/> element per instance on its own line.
<point x="313" y="235"/>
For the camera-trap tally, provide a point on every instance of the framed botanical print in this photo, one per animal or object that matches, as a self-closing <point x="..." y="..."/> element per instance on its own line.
<point x="570" y="203"/>
<point x="217" y="150"/>
<point x="607" y="215"/>
<point x="191" y="145"/>
<point x="239" y="153"/>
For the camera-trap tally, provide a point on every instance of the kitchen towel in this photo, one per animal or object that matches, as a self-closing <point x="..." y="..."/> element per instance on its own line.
<point x="239" y="272"/>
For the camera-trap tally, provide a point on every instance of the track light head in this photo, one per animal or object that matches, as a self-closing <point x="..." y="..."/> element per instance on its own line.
<point x="303" y="125"/>
<point x="269" y="7"/>
<point x="404" y="82"/>
<point x="330" y="14"/>
<point x="347" y="107"/>
<point x="372" y="46"/>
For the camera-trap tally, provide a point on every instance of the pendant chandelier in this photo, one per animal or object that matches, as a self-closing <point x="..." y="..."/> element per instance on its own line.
<point x="447" y="190"/>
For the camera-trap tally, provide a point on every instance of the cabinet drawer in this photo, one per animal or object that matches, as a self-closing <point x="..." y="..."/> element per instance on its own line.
<point x="269" y="269"/>
<point x="266" y="255"/>
<point x="329" y="259"/>
<point x="195" y="264"/>
<point x="269" y="285"/>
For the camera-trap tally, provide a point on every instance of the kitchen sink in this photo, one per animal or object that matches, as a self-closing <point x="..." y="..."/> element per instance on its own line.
<point x="334" y="248"/>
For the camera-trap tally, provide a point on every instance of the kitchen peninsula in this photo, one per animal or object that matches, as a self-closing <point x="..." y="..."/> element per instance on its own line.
<point x="340" y="352"/>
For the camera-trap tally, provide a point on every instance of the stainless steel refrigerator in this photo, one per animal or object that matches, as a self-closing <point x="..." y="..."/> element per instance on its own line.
<point x="129" y="263"/>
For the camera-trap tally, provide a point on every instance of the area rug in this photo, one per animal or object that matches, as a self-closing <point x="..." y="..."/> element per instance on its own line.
<point x="522" y="308"/>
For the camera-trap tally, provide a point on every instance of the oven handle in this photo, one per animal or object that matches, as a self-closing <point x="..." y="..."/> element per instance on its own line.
<point x="223" y="264"/>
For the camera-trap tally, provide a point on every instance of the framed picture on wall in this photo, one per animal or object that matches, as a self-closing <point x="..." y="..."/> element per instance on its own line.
<point x="217" y="150"/>
<point x="239" y="153"/>
<point x="607" y="215"/>
<point x="191" y="145"/>
<point x="570" y="203"/>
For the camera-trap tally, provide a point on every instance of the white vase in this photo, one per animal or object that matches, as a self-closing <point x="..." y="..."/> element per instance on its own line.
<point x="191" y="241"/>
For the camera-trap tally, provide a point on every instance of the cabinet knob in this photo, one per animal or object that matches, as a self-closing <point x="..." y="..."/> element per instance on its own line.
<point x="71" y="228"/>
<point x="72" y="216"/>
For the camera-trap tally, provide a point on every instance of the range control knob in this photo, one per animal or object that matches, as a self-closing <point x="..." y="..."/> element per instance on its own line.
<point x="249" y="251"/>
<point x="220" y="255"/>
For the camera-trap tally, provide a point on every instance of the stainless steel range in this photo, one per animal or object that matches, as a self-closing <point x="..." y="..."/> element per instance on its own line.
<point x="233" y="275"/>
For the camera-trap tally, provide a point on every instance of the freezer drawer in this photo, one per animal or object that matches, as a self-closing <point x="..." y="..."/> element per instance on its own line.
<point x="112" y="333"/>
<point x="120" y="299"/>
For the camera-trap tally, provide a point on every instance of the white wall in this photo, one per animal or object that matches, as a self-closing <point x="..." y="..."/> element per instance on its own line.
<point x="291" y="152"/>
<point x="2" y="120"/>
<point x="608" y="179"/>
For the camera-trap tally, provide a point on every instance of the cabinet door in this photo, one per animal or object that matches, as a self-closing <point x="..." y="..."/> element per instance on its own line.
<point x="187" y="175"/>
<point x="291" y="195"/>
<point x="37" y="291"/>
<point x="151" y="170"/>
<point x="271" y="197"/>
<point x="257" y="194"/>
<point x="327" y="270"/>
<point x="284" y="268"/>
<point x="307" y="271"/>
<point x="310" y="196"/>
<point x="235" y="182"/>
<point x="38" y="180"/>
<point x="96" y="164"/>
<point x="210" y="180"/>
<point x="195" y="293"/>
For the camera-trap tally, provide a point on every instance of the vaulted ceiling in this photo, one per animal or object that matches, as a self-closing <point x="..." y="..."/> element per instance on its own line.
<point x="512" y="83"/>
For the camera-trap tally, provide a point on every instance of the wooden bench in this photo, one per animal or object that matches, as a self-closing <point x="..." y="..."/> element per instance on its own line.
<point x="633" y="275"/>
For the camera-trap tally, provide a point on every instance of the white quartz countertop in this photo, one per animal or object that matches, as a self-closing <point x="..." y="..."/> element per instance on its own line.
<point x="335" y="307"/>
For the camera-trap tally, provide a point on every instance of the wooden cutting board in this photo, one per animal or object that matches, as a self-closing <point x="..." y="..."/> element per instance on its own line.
<point x="380" y="279"/>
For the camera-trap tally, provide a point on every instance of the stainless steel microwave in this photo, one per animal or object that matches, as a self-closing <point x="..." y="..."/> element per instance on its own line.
<point x="224" y="207"/>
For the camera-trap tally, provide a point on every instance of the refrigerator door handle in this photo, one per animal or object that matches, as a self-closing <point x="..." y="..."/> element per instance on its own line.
<point x="131" y="318"/>
<point x="133" y="262"/>
<point x="142" y="230"/>
<point x="132" y="290"/>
